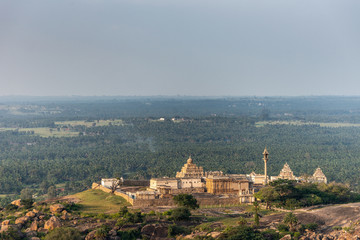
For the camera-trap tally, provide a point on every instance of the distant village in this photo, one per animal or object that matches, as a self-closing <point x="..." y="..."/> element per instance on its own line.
<point x="209" y="188"/>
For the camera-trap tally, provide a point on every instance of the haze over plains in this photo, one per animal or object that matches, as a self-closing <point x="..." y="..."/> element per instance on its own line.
<point x="179" y="47"/>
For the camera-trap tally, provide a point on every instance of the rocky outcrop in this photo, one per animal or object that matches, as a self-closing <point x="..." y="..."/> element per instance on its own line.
<point x="56" y="208"/>
<point x="155" y="231"/>
<point x="22" y="220"/>
<point x="5" y="222"/>
<point x="335" y="235"/>
<point x="30" y="214"/>
<point x="52" y="223"/>
<point x="91" y="235"/>
<point x="34" y="226"/>
<point x="16" y="202"/>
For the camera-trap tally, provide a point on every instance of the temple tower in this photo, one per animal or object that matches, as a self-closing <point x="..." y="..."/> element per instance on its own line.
<point x="266" y="158"/>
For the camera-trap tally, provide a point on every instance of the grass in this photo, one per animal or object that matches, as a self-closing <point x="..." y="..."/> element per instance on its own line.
<point x="63" y="132"/>
<point x="300" y="123"/>
<point x="4" y="195"/>
<point x="97" y="201"/>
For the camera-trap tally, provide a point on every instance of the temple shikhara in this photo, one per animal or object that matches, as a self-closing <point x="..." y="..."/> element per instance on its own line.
<point x="190" y="170"/>
<point x="211" y="187"/>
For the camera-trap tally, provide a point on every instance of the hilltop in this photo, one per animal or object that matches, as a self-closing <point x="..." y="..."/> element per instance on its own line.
<point x="94" y="214"/>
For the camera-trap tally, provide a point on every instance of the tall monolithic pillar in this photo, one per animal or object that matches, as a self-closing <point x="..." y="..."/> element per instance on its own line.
<point x="266" y="158"/>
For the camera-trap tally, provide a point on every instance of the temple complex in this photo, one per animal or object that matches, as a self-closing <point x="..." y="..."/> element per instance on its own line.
<point x="212" y="187"/>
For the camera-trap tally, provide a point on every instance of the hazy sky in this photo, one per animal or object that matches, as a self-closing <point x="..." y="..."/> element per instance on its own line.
<point x="179" y="47"/>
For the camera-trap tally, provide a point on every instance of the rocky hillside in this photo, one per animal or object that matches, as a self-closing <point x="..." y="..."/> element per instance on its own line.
<point x="95" y="215"/>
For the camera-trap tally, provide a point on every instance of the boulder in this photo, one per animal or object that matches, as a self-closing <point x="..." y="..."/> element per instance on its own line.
<point x="16" y="202"/>
<point x="43" y="230"/>
<point x="30" y="214"/>
<point x="91" y="235"/>
<point x="286" y="237"/>
<point x="22" y="220"/>
<point x="5" y="222"/>
<point x="4" y="228"/>
<point x="52" y="223"/>
<point x="155" y="231"/>
<point x="215" y="234"/>
<point x="65" y="215"/>
<point x="29" y="233"/>
<point x="56" y="208"/>
<point x="34" y="226"/>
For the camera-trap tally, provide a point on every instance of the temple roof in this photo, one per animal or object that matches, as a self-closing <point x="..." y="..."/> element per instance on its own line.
<point x="319" y="173"/>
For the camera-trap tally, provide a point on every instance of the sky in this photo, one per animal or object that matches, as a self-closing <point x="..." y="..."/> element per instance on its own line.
<point x="179" y="47"/>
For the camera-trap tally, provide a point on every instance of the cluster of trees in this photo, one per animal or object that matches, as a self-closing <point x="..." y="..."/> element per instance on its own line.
<point x="290" y="194"/>
<point x="145" y="148"/>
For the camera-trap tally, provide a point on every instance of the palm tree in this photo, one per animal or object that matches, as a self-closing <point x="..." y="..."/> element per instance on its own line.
<point x="291" y="220"/>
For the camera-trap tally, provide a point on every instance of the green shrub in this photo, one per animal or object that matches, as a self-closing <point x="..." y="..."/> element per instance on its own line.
<point x="296" y="235"/>
<point x="167" y="213"/>
<point x="242" y="233"/>
<point x="312" y="226"/>
<point x="337" y="228"/>
<point x="64" y="233"/>
<point x="152" y="213"/>
<point x="11" y="234"/>
<point x="181" y="213"/>
<point x="130" y="234"/>
<point x="11" y="207"/>
<point x="174" y="230"/>
<point x="101" y="234"/>
<point x="186" y="200"/>
<point x="283" y="227"/>
<point x="270" y="234"/>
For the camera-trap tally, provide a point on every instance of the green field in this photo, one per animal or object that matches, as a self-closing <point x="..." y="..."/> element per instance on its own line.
<point x="300" y="123"/>
<point x="62" y="131"/>
<point x="45" y="131"/>
<point x="97" y="201"/>
<point x="115" y="122"/>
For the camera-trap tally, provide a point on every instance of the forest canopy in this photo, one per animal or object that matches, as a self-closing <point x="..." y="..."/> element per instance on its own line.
<point x="143" y="138"/>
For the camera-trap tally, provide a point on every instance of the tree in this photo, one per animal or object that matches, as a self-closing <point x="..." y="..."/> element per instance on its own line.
<point x="256" y="209"/>
<point x="181" y="213"/>
<point x="44" y="185"/>
<point x="267" y="194"/>
<point x="116" y="184"/>
<point x="291" y="220"/>
<point x="26" y="197"/>
<point x="26" y="194"/>
<point x="51" y="192"/>
<point x="242" y="221"/>
<point x="186" y="200"/>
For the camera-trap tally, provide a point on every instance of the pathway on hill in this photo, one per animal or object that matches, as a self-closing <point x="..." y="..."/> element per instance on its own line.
<point x="327" y="217"/>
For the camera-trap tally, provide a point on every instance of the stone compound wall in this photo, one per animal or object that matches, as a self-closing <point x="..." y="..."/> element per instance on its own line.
<point x="141" y="183"/>
<point x="203" y="201"/>
<point x="218" y="201"/>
